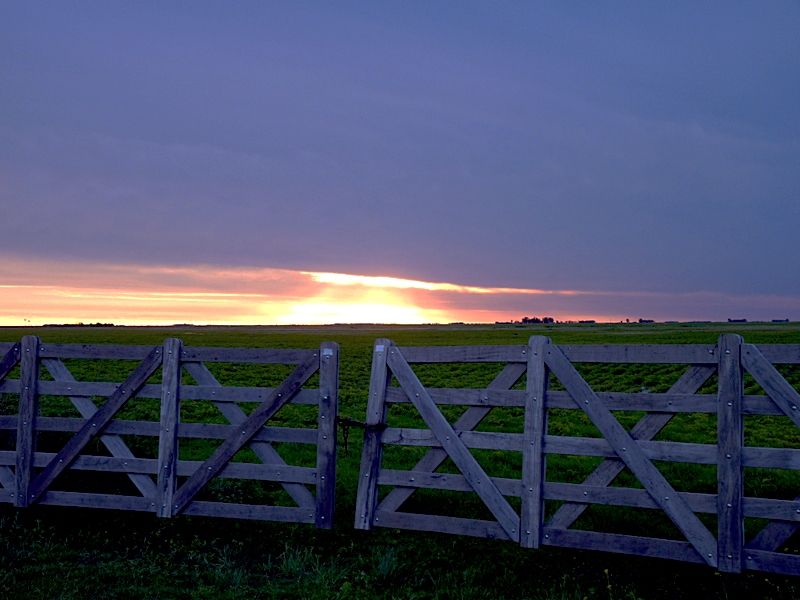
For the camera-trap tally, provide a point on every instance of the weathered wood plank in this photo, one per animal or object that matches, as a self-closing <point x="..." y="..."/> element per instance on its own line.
<point x="730" y="439"/>
<point x="96" y="424"/>
<point x="439" y="524"/>
<point x="170" y="417"/>
<point x="635" y="459"/>
<point x="228" y="448"/>
<point x="772" y="562"/>
<point x="469" y="420"/>
<point x="186" y="430"/>
<point x="694" y="354"/>
<point x="453" y="445"/>
<point x="619" y="496"/>
<point x="326" y="427"/>
<point x="533" y="457"/>
<point x="9" y="360"/>
<point x="188" y="392"/>
<point x="778" y="389"/>
<point x="442" y="481"/>
<point x="485" y="440"/>
<point x="100" y="351"/>
<point x="282" y="356"/>
<point x="639" y="401"/>
<point x="284" y="514"/>
<point x="457" y="354"/>
<point x="91" y="500"/>
<point x="264" y="451"/>
<point x="623" y="544"/>
<point x="372" y="451"/>
<point x="647" y="428"/>
<point x="26" y="424"/>
<point x="184" y="468"/>
<point x="780" y="353"/>
<point x="87" y="408"/>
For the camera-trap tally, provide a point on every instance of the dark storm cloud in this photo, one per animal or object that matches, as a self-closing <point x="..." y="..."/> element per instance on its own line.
<point x="616" y="147"/>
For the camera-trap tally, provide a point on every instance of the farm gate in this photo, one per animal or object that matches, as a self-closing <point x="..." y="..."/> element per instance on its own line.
<point x="640" y="446"/>
<point x="170" y="438"/>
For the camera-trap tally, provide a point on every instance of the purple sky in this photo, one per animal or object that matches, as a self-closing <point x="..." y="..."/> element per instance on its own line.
<point x="623" y="147"/>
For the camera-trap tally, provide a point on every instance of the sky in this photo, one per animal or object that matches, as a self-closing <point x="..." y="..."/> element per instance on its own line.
<point x="315" y="162"/>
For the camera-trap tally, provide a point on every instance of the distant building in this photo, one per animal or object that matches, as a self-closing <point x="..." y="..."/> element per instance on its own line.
<point x="737" y="320"/>
<point x="646" y="321"/>
<point x="780" y="320"/>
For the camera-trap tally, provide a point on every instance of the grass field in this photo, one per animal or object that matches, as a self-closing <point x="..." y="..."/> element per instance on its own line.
<point x="48" y="552"/>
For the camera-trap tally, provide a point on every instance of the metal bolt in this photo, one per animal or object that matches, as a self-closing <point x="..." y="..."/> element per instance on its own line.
<point x="727" y="456"/>
<point x="547" y="536"/>
<point x="666" y="497"/>
<point x="324" y="437"/>
<point x="528" y="531"/>
<point x="729" y="505"/>
<point x="323" y="477"/>
<point x="709" y="555"/>
<point x="730" y="555"/>
<point x="727" y="351"/>
<point x="730" y="403"/>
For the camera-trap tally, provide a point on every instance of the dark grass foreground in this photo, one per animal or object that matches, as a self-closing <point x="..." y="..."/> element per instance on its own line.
<point x="50" y="552"/>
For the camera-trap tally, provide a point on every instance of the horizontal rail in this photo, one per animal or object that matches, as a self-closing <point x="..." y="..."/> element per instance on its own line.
<point x="706" y="454"/>
<point x="149" y="466"/>
<point x="620" y="543"/>
<point x="634" y="401"/>
<point x="189" y="354"/>
<point x="152" y="429"/>
<point x="440" y="524"/>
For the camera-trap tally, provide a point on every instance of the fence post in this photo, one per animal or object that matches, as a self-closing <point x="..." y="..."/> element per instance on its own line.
<point x="367" y="494"/>
<point x="326" y="433"/>
<point x="533" y="460"/>
<point x="28" y="411"/>
<point x="168" y="432"/>
<point x="730" y="439"/>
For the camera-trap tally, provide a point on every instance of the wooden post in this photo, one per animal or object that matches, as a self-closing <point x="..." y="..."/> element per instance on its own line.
<point x="367" y="494"/>
<point x="26" y="424"/>
<point x="326" y="433"/>
<point x="168" y="432"/>
<point x="730" y="439"/>
<point x="533" y="459"/>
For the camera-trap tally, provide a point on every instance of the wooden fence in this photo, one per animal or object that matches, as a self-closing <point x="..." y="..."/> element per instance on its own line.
<point x="709" y="527"/>
<point x="52" y="457"/>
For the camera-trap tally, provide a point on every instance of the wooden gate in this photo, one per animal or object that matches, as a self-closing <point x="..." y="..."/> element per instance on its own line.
<point x="635" y="459"/>
<point x="165" y="411"/>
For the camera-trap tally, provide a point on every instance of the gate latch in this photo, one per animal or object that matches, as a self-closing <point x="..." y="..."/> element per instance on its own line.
<point x="346" y="423"/>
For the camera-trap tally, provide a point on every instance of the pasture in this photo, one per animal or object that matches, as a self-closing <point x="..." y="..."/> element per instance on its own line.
<point x="66" y="552"/>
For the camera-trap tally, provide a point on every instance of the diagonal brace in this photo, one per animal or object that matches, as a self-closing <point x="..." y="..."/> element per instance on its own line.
<point x="646" y="429"/>
<point x="632" y="455"/>
<point x="468" y="421"/>
<point x="116" y="446"/>
<point x="95" y="425"/>
<point x="264" y="450"/>
<point x="228" y="449"/>
<point x="452" y="444"/>
<point x="9" y="360"/>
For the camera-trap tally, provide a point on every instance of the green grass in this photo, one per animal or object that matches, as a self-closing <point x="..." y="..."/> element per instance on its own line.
<point x="48" y="552"/>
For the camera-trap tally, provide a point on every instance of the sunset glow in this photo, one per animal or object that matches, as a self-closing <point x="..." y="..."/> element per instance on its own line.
<point x="38" y="292"/>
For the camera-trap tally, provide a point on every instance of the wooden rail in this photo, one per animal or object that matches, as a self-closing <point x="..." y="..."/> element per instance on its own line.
<point x="52" y="456"/>
<point x="548" y="510"/>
